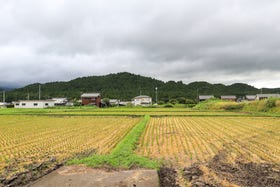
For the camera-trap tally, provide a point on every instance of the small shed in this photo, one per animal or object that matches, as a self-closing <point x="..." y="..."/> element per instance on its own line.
<point x="250" y="97"/>
<point x="114" y="102"/>
<point x="229" y="97"/>
<point x="3" y="105"/>
<point x="266" y="96"/>
<point x="205" y="97"/>
<point x="60" y="101"/>
<point x="91" y="99"/>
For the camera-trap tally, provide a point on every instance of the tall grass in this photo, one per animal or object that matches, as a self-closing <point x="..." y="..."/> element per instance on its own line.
<point x="267" y="105"/>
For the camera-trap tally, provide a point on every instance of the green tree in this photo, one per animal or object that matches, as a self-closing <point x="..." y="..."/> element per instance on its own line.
<point x="181" y="100"/>
<point x="106" y="101"/>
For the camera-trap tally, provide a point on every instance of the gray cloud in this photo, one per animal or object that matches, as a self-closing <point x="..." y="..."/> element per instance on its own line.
<point x="218" y="41"/>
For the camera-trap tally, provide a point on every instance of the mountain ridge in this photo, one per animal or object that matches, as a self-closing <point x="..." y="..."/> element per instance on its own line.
<point x="125" y="85"/>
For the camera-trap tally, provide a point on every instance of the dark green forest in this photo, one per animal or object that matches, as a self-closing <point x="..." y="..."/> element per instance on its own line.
<point x="125" y="86"/>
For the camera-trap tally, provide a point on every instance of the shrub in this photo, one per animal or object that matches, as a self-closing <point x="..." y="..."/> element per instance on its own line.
<point x="190" y="105"/>
<point x="271" y="102"/>
<point x="168" y="105"/>
<point x="173" y="101"/>
<point x="181" y="100"/>
<point x="190" y="101"/>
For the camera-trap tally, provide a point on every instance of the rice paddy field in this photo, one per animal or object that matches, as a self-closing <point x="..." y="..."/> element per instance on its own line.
<point x="183" y="141"/>
<point x="30" y="140"/>
<point x="216" y="145"/>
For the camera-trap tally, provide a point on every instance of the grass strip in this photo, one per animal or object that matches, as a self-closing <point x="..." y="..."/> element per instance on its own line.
<point x="122" y="156"/>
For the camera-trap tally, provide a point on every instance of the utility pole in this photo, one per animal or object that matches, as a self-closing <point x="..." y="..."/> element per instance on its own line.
<point x="197" y="96"/>
<point x="39" y="92"/>
<point x="4" y="96"/>
<point x="156" y="96"/>
<point x="28" y="96"/>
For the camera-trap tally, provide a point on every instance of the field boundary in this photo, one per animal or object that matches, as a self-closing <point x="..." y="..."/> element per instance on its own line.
<point x="122" y="156"/>
<point x="151" y="115"/>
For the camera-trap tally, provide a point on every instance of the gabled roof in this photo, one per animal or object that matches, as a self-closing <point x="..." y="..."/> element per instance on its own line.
<point x="228" y="97"/>
<point x="141" y="97"/>
<point x="90" y="95"/>
<point x="268" y="95"/>
<point x="206" y="96"/>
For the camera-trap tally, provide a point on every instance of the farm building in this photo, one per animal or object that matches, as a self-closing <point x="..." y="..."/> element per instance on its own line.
<point x="91" y="99"/>
<point x="114" y="102"/>
<point x="250" y="97"/>
<point x="142" y="100"/>
<point x="266" y="96"/>
<point x="205" y="97"/>
<point x="125" y="103"/>
<point x="229" y="97"/>
<point x="3" y="105"/>
<point x="60" y="101"/>
<point x="34" y="103"/>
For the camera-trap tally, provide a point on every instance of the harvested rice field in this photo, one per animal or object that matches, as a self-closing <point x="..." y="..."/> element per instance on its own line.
<point x="183" y="141"/>
<point x="27" y="141"/>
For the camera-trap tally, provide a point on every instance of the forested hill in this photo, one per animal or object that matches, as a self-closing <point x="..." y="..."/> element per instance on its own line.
<point x="125" y="86"/>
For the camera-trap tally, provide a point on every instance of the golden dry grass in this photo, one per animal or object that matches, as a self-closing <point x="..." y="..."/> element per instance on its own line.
<point x="185" y="140"/>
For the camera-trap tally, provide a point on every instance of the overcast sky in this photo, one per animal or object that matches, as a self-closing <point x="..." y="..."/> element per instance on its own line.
<point x="219" y="41"/>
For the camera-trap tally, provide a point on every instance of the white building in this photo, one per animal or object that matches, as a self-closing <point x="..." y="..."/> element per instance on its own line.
<point x="125" y="103"/>
<point x="60" y="101"/>
<point x="34" y="104"/>
<point x="142" y="100"/>
<point x="3" y="105"/>
<point x="266" y="96"/>
<point x="114" y="102"/>
<point x="250" y="97"/>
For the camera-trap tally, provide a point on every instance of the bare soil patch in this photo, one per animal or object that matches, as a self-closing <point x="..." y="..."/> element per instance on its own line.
<point x="33" y="171"/>
<point x="219" y="172"/>
<point x="168" y="177"/>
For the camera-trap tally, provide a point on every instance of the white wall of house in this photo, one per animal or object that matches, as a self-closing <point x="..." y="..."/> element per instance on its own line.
<point x="142" y="100"/>
<point x="34" y="104"/>
<point x="60" y="101"/>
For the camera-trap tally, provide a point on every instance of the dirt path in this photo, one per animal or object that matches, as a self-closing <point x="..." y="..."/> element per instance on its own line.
<point x="75" y="176"/>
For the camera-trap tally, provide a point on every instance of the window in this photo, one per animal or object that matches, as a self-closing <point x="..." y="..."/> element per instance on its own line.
<point x="35" y="104"/>
<point x="23" y="104"/>
<point x="46" y="104"/>
<point x="17" y="104"/>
